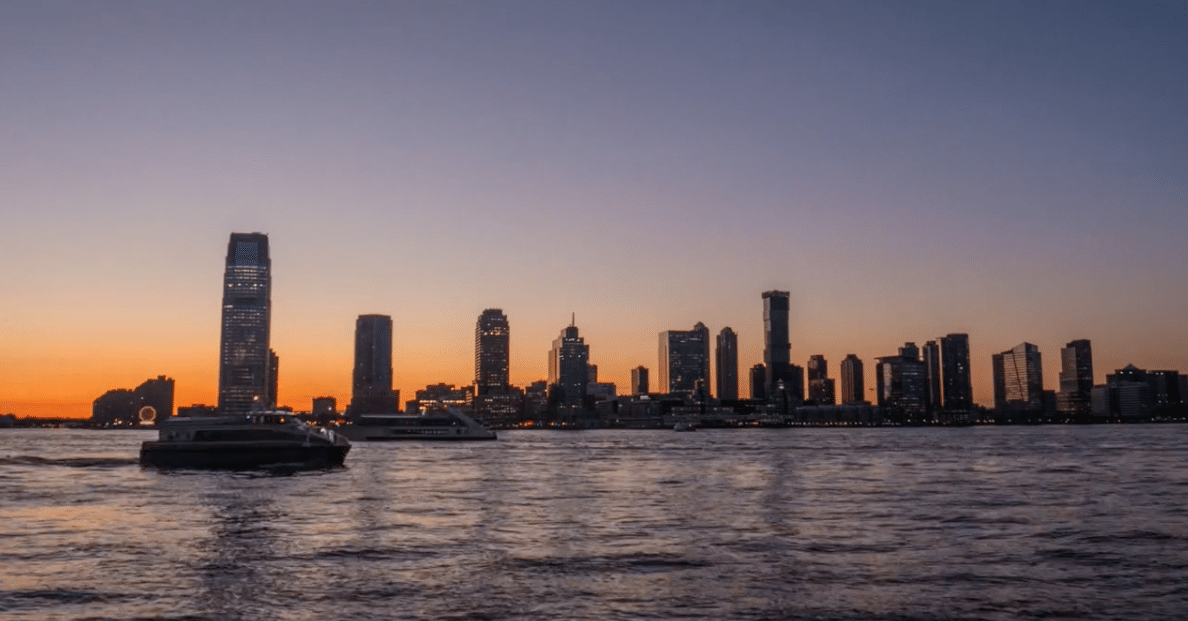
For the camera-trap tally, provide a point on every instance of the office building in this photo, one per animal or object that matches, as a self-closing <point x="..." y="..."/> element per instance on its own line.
<point x="820" y="386"/>
<point x="932" y="368"/>
<point x="639" y="380"/>
<point x="492" y="337"/>
<point x="956" y="381"/>
<point x="684" y="360"/>
<point x="1076" y="380"/>
<point x="273" y="379"/>
<point x="371" y="382"/>
<point x="759" y="383"/>
<point x="777" y="347"/>
<point x="726" y="359"/>
<point x="244" y="361"/>
<point x="902" y="385"/>
<point x="853" y="381"/>
<point x="569" y="370"/>
<point x="1019" y="380"/>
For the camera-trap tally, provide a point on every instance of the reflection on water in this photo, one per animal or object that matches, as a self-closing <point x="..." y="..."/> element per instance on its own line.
<point x="972" y="523"/>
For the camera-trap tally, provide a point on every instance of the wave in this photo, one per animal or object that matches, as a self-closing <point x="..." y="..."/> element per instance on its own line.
<point x="69" y="462"/>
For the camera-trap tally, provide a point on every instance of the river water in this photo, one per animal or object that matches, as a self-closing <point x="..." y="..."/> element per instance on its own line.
<point x="858" y="523"/>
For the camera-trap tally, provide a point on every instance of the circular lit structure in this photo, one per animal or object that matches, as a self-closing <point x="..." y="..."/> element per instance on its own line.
<point x="147" y="414"/>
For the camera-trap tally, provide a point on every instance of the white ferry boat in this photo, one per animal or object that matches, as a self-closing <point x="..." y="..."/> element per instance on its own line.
<point x="242" y="442"/>
<point x="447" y="424"/>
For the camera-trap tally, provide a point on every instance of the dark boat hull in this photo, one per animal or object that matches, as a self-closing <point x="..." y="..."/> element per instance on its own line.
<point x="240" y="455"/>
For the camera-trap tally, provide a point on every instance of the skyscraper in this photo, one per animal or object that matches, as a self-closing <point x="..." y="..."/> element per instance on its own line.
<point x="639" y="380"/>
<point x="820" y="385"/>
<point x="932" y="368"/>
<point x="491" y="352"/>
<point x="727" y="364"/>
<point x="1022" y="379"/>
<point x="247" y="311"/>
<point x="371" y="381"/>
<point x="758" y="383"/>
<point x="569" y="370"/>
<point x="684" y="359"/>
<point x="956" y="381"/>
<point x="777" y="349"/>
<point x="1076" y="379"/>
<point x="852" y="380"/>
<point x="273" y="379"/>
<point x="902" y="384"/>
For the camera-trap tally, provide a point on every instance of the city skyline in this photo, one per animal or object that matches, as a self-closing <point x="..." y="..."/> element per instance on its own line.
<point x="1009" y="171"/>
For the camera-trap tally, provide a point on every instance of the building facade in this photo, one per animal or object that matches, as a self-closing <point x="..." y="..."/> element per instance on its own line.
<point x="684" y="360"/>
<point x="639" y="380"/>
<point x="569" y="371"/>
<point x="1019" y="380"/>
<point x="902" y="385"/>
<point x="726" y="359"/>
<point x="244" y="364"/>
<point x="758" y="383"/>
<point x="956" y="380"/>
<point x="371" y="381"/>
<point x="1076" y="380"/>
<point x="492" y="353"/>
<point x="777" y="347"/>
<point x="821" y="389"/>
<point x="853" y="381"/>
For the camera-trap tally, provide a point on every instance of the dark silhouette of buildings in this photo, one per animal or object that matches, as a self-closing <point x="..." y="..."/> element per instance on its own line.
<point x="1076" y="380"/>
<point x="1019" y="381"/>
<point x="371" y="381"/>
<point x="932" y="367"/>
<point x="639" y="380"/>
<point x="152" y="401"/>
<point x="902" y="385"/>
<point x="684" y="360"/>
<point x="1132" y="393"/>
<point x="492" y="336"/>
<point x="273" y="380"/>
<point x="777" y="348"/>
<point x="853" y="381"/>
<point x="956" y="382"/>
<point x="726" y="356"/>
<point x="569" y="372"/>
<point x="759" y="383"/>
<point x="821" y="386"/>
<point x="244" y="364"/>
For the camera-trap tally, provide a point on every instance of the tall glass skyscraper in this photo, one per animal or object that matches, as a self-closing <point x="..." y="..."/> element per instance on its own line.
<point x="727" y="364"/>
<point x="956" y="379"/>
<point x="1076" y="378"/>
<point x="492" y="336"/>
<point x="1019" y="375"/>
<point x="777" y="349"/>
<point x="371" y="381"/>
<point x="569" y="369"/>
<point x="852" y="380"/>
<point x="244" y="361"/>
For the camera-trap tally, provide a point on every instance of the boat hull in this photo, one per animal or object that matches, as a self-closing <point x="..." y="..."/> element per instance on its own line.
<point x="240" y="455"/>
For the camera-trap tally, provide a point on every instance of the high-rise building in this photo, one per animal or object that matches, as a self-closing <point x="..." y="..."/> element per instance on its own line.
<point x="956" y="382"/>
<point x="1022" y="380"/>
<point x="820" y="386"/>
<point x="902" y="384"/>
<point x="1076" y="379"/>
<point x="777" y="349"/>
<point x="932" y="368"/>
<point x="273" y="379"/>
<point x="150" y="402"/>
<point x="759" y="383"/>
<point x="492" y="336"/>
<point x="684" y="360"/>
<point x="639" y="380"/>
<point x="852" y="381"/>
<point x="727" y="365"/>
<point x="244" y="381"/>
<point x="569" y="371"/>
<point x="371" y="381"/>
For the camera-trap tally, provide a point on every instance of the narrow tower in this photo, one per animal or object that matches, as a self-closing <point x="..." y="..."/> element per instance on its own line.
<point x="244" y="381"/>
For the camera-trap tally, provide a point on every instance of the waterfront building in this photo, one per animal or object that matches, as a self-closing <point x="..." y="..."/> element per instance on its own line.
<point x="1018" y="374"/>
<point x="726" y="357"/>
<point x="820" y="385"/>
<point x="492" y="353"/>
<point x="684" y="360"/>
<point x="777" y="348"/>
<point x="244" y="363"/>
<point x="956" y="381"/>
<point x="902" y="385"/>
<point x="273" y="380"/>
<point x="371" y="381"/>
<point x="639" y="380"/>
<point x="569" y="371"/>
<point x="435" y="395"/>
<point x="932" y="367"/>
<point x="1076" y="379"/>
<point x="759" y="383"/>
<point x="853" y="381"/>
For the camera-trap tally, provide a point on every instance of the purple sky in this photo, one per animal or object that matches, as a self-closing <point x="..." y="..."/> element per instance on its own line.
<point x="1016" y="171"/>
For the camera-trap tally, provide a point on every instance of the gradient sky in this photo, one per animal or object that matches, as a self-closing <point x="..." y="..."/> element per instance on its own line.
<point x="1016" y="171"/>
